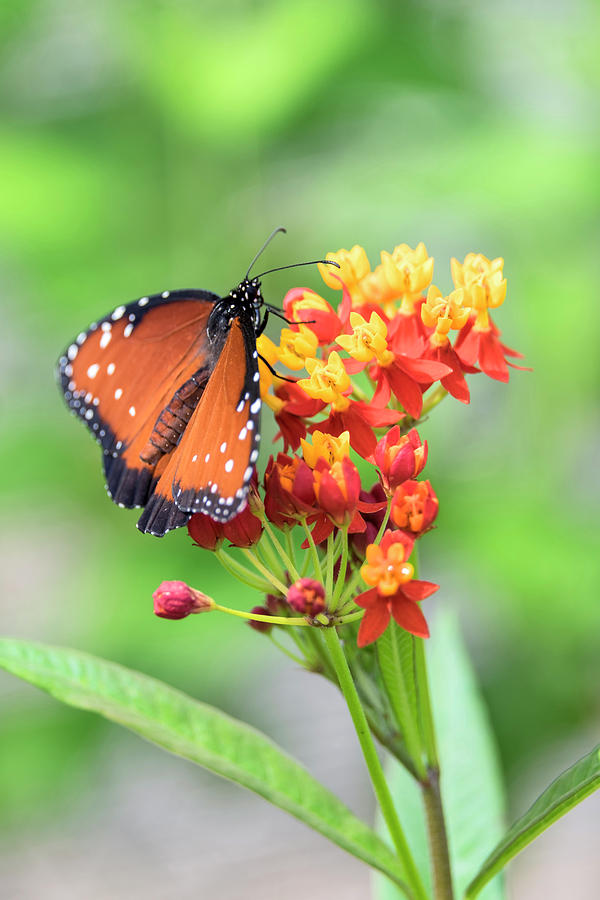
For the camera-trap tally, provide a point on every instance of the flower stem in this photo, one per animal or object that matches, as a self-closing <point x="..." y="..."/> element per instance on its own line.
<point x="240" y="572"/>
<point x="264" y="571"/>
<point x="258" y="617"/>
<point x="314" y="551"/>
<point x="380" y="787"/>
<point x="434" y="398"/>
<point x="438" y="841"/>
<point x="287" y="561"/>
<point x="386" y="519"/>
<point x="329" y="568"/>
<point x="341" y="579"/>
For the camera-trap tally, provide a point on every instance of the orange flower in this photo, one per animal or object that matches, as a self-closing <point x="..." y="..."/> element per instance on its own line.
<point x="414" y="507"/>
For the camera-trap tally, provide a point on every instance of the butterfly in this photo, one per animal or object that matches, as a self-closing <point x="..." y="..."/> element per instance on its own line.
<point x="169" y="386"/>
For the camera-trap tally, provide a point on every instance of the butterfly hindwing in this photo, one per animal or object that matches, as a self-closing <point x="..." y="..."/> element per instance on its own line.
<point x="120" y="374"/>
<point x="211" y="468"/>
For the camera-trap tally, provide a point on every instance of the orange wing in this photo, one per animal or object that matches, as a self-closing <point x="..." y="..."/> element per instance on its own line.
<point x="211" y="468"/>
<point x="120" y="374"/>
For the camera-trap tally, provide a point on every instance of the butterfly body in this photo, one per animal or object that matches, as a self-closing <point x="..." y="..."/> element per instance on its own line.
<point x="169" y="387"/>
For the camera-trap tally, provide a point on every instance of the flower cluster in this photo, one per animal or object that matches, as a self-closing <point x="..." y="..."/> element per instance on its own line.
<point x="343" y="500"/>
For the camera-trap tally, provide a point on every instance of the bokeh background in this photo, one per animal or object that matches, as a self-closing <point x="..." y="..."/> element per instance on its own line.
<point x="147" y="145"/>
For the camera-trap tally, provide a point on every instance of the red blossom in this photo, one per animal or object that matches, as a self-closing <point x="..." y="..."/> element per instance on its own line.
<point x="483" y="346"/>
<point x="337" y="488"/>
<point x="406" y="378"/>
<point x="399" y="457"/>
<point x="359" y="419"/>
<point x="244" y="530"/>
<point x="289" y="493"/>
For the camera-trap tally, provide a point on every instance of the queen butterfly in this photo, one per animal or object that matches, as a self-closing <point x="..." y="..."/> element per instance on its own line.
<point x="169" y="387"/>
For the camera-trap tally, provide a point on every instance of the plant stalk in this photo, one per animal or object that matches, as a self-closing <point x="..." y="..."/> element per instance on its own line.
<point x="436" y="833"/>
<point x="380" y="786"/>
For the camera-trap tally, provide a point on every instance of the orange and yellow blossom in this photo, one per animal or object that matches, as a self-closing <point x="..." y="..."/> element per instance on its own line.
<point x="408" y="272"/>
<point x="296" y="346"/>
<point x="328" y="381"/>
<point x="483" y="283"/>
<point x="325" y="446"/>
<point x="444" y="313"/>
<point x="368" y="340"/>
<point x="386" y="570"/>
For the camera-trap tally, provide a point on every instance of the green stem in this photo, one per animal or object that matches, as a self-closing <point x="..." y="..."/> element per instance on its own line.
<point x="264" y="571"/>
<point x="380" y="787"/>
<point x="240" y="572"/>
<point x="341" y="579"/>
<point x="329" y="568"/>
<point x="438" y="841"/>
<point x="288" y="563"/>
<point x="258" y="617"/>
<point x="386" y="519"/>
<point x="314" y="551"/>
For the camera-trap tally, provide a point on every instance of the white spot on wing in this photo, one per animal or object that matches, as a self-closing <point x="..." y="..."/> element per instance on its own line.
<point x="118" y="393"/>
<point x="229" y="465"/>
<point x="223" y="447"/>
<point x="118" y="313"/>
<point x="128" y="329"/>
<point x="105" y="339"/>
<point x="143" y="301"/>
<point x="255" y="406"/>
<point x="242" y="434"/>
<point x="165" y="294"/>
<point x="93" y="370"/>
<point x="248" y="473"/>
<point x="194" y="457"/>
<point x="72" y="351"/>
<point x="110" y="368"/>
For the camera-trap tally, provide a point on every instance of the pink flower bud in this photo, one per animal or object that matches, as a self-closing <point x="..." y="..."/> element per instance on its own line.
<point x="307" y="596"/>
<point x="263" y="627"/>
<point x="176" y="600"/>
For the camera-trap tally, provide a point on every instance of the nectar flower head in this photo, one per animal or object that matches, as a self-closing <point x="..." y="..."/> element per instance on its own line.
<point x="176" y="600"/>
<point x="386" y="566"/>
<point x="328" y="381"/>
<point x="337" y="489"/>
<point x="326" y="446"/>
<point x="408" y="271"/>
<point x="444" y="313"/>
<point x="353" y="265"/>
<point x="399" y="458"/>
<point x="303" y="306"/>
<point x="368" y="339"/>
<point x="307" y="596"/>
<point x="296" y="346"/>
<point x="483" y="283"/>
<point x="414" y="507"/>
<point x="396" y="593"/>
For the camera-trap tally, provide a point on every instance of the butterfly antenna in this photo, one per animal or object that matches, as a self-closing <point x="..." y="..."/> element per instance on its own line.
<point x="264" y="246"/>
<point x="312" y="262"/>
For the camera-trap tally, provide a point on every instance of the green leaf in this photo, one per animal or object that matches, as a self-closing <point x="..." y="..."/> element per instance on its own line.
<point x="395" y="652"/>
<point x="470" y="780"/>
<point x="565" y="792"/>
<point x="199" y="733"/>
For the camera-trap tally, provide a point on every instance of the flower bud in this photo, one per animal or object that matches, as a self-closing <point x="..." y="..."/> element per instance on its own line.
<point x="176" y="600"/>
<point x="263" y="627"/>
<point x="307" y="596"/>
<point x="337" y="489"/>
<point x="399" y="458"/>
<point x="414" y="506"/>
<point x="243" y="530"/>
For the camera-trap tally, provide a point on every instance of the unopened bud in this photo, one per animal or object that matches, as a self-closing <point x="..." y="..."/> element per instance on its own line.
<point x="307" y="596"/>
<point x="176" y="600"/>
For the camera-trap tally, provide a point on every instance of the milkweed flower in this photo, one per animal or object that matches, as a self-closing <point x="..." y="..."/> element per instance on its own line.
<point x="414" y="507"/>
<point x="244" y="530"/>
<point x="394" y="591"/>
<point x="399" y="458"/>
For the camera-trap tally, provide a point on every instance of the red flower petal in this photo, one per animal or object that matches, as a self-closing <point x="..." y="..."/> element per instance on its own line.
<point x="409" y="616"/>
<point x="419" y="590"/>
<point x="374" y="622"/>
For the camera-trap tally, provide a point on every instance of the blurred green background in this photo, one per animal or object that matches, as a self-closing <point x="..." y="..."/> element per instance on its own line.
<point x="152" y="145"/>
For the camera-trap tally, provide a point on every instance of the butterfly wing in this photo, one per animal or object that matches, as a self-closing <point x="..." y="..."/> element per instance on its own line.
<point x="120" y="374"/>
<point x="211" y="468"/>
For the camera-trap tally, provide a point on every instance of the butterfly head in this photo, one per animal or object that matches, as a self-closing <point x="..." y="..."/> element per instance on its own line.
<point x="242" y="302"/>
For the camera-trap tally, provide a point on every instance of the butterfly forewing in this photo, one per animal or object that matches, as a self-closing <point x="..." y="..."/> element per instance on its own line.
<point x="210" y="471"/>
<point x="120" y="374"/>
